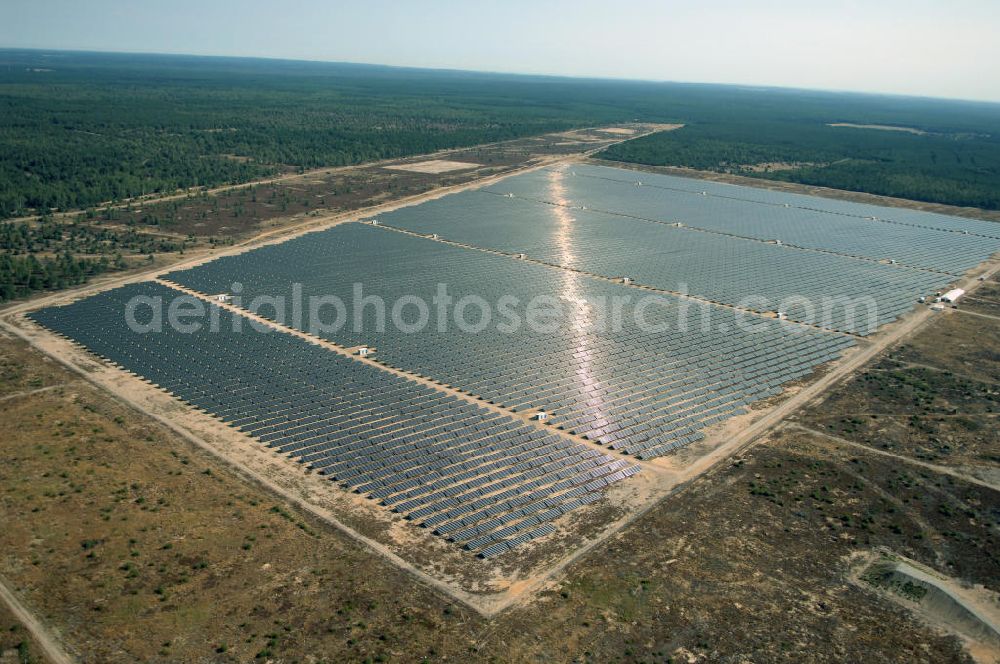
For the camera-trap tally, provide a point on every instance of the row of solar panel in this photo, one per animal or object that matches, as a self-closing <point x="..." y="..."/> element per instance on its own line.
<point x="567" y="369"/>
<point x="415" y="449"/>
<point x="770" y="197"/>
<point x="818" y="288"/>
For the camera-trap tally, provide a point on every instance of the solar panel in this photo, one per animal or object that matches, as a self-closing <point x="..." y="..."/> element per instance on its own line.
<point x="403" y="444"/>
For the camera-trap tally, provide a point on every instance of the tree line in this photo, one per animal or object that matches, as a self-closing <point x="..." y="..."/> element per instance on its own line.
<point x="953" y="168"/>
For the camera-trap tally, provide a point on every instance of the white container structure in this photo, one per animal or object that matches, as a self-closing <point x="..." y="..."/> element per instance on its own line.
<point x="953" y="295"/>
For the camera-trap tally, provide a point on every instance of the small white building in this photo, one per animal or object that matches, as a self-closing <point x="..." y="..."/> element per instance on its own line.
<point x="522" y="256"/>
<point x="224" y="298"/>
<point x="542" y="416"/>
<point x="364" y="351"/>
<point x="937" y="307"/>
<point x="953" y="295"/>
<point x="374" y="222"/>
<point x="626" y="280"/>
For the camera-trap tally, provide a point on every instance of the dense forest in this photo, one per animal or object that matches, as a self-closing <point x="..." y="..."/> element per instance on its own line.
<point x="956" y="167"/>
<point x="50" y="255"/>
<point x="80" y="129"/>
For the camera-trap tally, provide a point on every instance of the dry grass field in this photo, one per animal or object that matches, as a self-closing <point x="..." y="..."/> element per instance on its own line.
<point x="16" y="645"/>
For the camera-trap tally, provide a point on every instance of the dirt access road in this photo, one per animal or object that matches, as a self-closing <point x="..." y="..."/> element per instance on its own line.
<point x="47" y="642"/>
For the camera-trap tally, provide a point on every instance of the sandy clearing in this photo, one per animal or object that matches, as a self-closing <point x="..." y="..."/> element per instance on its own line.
<point x="628" y="131"/>
<point x="432" y="166"/>
<point x="949" y="599"/>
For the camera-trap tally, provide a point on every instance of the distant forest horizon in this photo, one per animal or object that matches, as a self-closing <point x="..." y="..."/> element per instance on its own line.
<point x="79" y="129"/>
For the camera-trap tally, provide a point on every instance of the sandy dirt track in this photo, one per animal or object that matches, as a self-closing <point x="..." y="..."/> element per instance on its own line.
<point x="46" y="641"/>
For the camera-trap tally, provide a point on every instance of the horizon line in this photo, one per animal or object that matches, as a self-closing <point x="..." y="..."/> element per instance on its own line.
<point x="569" y="77"/>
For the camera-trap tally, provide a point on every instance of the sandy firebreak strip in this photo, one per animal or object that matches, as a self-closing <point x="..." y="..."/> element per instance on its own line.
<point x="486" y="586"/>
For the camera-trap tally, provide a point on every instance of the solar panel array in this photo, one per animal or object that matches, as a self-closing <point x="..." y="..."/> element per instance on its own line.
<point x="479" y="478"/>
<point x="866" y="211"/>
<point x="642" y="390"/>
<point x="920" y="247"/>
<point x="658" y="372"/>
<point x="816" y="288"/>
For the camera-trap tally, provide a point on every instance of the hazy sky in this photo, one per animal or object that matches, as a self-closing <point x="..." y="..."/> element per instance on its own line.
<point x="941" y="48"/>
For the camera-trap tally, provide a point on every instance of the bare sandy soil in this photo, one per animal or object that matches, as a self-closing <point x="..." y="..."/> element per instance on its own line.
<point x="432" y="166"/>
<point x="631" y="131"/>
<point x="768" y="166"/>
<point x="970" y="612"/>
